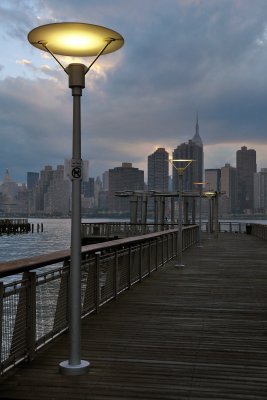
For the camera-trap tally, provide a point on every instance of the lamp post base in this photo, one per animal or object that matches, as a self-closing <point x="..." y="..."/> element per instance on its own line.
<point x="65" y="368"/>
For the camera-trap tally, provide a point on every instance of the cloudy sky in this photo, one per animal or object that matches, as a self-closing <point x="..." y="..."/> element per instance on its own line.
<point x="179" y="57"/>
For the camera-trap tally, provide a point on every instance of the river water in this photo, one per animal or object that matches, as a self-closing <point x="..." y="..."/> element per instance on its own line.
<point x="55" y="236"/>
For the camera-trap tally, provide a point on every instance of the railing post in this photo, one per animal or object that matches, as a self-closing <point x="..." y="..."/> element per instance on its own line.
<point x="140" y="261"/>
<point x="157" y="257"/>
<point x="1" y="320"/>
<point x="149" y="257"/>
<point x="162" y="245"/>
<point x="129" y="267"/>
<point x="116" y="274"/>
<point x="168" y="238"/>
<point x="31" y="314"/>
<point x="97" y="283"/>
<point x="174" y="241"/>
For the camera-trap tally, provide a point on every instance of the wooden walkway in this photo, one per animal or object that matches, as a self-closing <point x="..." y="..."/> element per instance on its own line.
<point x="194" y="333"/>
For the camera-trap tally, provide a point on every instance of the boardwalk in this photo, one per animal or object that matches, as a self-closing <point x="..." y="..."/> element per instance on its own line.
<point x="194" y="333"/>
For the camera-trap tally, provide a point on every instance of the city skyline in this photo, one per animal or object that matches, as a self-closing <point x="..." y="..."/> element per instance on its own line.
<point x="241" y="189"/>
<point x="87" y="173"/>
<point x="179" y="57"/>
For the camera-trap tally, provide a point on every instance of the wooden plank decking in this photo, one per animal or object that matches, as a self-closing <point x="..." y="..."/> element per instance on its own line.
<point x="194" y="333"/>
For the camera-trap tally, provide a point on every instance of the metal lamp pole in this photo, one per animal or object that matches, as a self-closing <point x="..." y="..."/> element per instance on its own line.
<point x="180" y="166"/>
<point x="209" y="195"/>
<point x="180" y="235"/>
<point x="82" y="40"/>
<point x="75" y="366"/>
<point x="200" y="184"/>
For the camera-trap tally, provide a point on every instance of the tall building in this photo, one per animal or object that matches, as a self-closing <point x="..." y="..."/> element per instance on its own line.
<point x="32" y="182"/>
<point x="51" y="195"/>
<point x="57" y="195"/>
<point x="228" y="189"/>
<point x="193" y="150"/>
<point x="13" y="196"/>
<point x="123" y="178"/>
<point x="158" y="170"/>
<point x="105" y="180"/>
<point x="88" y="188"/>
<point x="213" y="179"/>
<point x="260" y="191"/>
<point x="40" y="189"/>
<point x="246" y="167"/>
<point x="32" y="179"/>
<point x="8" y="187"/>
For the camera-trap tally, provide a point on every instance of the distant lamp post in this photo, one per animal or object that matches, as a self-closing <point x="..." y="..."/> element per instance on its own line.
<point x="200" y="186"/>
<point x="75" y="40"/>
<point x="180" y="166"/>
<point x="210" y="195"/>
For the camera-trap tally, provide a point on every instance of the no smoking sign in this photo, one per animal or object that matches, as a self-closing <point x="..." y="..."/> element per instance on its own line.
<point x="76" y="169"/>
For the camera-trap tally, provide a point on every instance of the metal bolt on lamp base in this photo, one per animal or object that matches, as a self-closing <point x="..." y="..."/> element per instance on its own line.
<point x="80" y="369"/>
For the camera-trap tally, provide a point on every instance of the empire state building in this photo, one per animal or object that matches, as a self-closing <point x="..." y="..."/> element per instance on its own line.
<point x="191" y="150"/>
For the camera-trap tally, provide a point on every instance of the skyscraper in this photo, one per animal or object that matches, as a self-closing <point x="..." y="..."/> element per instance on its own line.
<point x="213" y="179"/>
<point x="158" y="170"/>
<point x="260" y="191"/>
<point x="123" y="178"/>
<point x="52" y="193"/>
<point x="57" y="195"/>
<point x="191" y="150"/>
<point x="246" y="167"/>
<point x="228" y="188"/>
<point x="32" y="179"/>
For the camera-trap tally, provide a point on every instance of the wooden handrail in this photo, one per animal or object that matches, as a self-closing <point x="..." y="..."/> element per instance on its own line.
<point x="36" y="262"/>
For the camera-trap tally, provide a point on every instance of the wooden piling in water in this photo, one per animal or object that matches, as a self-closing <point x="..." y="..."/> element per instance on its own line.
<point x="14" y="226"/>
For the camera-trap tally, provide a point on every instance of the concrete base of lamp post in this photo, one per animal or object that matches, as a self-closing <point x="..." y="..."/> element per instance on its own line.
<point x="66" y="368"/>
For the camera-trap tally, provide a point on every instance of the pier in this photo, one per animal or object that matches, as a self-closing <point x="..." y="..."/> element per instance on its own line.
<point x="154" y="331"/>
<point x="19" y="225"/>
<point x="14" y="226"/>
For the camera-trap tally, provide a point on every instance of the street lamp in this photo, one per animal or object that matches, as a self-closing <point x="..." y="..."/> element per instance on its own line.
<point x="180" y="165"/>
<point x="210" y="195"/>
<point x="200" y="185"/>
<point x="75" y="40"/>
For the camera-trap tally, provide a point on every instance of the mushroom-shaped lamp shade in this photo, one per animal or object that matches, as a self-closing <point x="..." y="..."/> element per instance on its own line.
<point x="75" y="39"/>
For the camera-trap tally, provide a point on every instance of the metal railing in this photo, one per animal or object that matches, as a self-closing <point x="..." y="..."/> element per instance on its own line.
<point x="122" y="229"/>
<point x="34" y="305"/>
<point x="232" y="227"/>
<point x="125" y="229"/>
<point x="259" y="230"/>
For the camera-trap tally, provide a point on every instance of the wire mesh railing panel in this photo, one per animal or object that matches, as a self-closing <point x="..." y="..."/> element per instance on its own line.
<point x="165" y="248"/>
<point x="145" y="259"/>
<point x="159" y="251"/>
<point x="61" y="313"/>
<point x="88" y="286"/>
<point x="135" y="264"/>
<point x="47" y="293"/>
<point x="123" y="269"/>
<point x="106" y="277"/>
<point x="153" y="255"/>
<point x="14" y="325"/>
